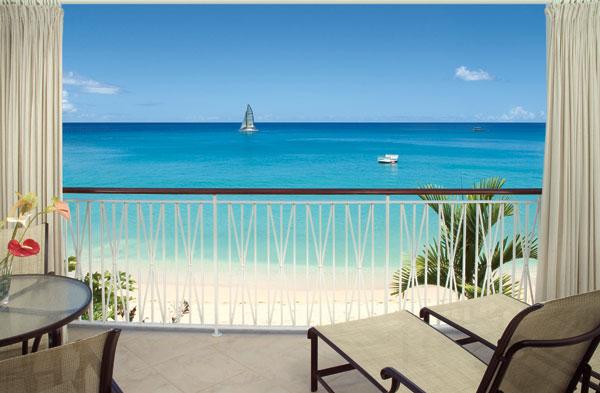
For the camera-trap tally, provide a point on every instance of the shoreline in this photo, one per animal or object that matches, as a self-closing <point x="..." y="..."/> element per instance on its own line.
<point x="279" y="299"/>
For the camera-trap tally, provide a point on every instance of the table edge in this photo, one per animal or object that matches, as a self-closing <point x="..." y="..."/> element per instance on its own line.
<point x="54" y="326"/>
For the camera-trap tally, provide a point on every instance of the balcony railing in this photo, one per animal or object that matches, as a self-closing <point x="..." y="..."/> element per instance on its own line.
<point x="290" y="258"/>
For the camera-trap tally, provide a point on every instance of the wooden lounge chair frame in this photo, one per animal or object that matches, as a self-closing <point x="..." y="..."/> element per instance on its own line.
<point x="493" y="376"/>
<point x="426" y="313"/>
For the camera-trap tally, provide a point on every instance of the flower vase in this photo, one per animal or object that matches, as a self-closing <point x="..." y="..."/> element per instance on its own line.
<point x="5" y="280"/>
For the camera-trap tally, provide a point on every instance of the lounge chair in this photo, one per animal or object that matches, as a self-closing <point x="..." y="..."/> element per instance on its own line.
<point x="84" y="366"/>
<point x="484" y="319"/>
<point x="545" y="348"/>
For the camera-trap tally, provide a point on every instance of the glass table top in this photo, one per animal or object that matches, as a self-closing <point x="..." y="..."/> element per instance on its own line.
<point x="40" y="303"/>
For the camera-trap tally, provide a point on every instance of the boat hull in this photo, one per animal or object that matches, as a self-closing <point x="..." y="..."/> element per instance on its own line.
<point x="388" y="159"/>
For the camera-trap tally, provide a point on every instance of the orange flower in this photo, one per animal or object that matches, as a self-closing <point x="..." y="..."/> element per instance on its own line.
<point x="62" y="208"/>
<point x="59" y="207"/>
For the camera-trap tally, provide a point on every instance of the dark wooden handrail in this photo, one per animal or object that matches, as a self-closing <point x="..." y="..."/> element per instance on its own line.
<point x="302" y="191"/>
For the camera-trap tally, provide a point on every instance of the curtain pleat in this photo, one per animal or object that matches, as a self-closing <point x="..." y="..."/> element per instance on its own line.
<point x="31" y="106"/>
<point x="570" y="211"/>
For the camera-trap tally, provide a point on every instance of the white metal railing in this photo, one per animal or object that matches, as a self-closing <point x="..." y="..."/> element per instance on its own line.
<point x="293" y="261"/>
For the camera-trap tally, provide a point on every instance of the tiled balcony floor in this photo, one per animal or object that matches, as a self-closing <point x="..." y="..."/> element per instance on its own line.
<point x="189" y="362"/>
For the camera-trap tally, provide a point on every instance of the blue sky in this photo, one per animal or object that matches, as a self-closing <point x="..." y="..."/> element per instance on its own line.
<point x="195" y="63"/>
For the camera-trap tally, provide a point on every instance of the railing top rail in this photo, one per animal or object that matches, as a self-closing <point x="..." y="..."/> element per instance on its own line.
<point x="301" y="191"/>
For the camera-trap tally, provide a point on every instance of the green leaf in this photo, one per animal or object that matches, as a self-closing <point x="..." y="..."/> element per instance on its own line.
<point x="463" y="224"/>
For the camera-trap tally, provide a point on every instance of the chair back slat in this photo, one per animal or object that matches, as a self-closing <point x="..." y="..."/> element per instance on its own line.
<point x="545" y="347"/>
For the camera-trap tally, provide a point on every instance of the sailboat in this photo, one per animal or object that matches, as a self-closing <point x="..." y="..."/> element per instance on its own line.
<point x="248" y="122"/>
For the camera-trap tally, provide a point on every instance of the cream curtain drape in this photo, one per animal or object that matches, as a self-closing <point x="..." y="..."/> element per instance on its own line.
<point x="569" y="239"/>
<point x="31" y="105"/>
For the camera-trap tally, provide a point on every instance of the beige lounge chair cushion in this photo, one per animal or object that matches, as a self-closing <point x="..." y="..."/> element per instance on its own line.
<point x="488" y="316"/>
<point x="402" y="341"/>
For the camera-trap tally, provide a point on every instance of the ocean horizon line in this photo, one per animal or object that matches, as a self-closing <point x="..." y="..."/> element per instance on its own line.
<point x="307" y="122"/>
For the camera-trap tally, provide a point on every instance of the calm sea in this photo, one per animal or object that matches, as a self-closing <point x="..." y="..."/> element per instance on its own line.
<point x="300" y="154"/>
<point x="292" y="155"/>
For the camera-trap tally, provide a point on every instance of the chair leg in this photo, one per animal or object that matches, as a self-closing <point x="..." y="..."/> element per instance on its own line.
<point x="24" y="347"/>
<point x="424" y="314"/>
<point x="585" y="379"/>
<point x="314" y="363"/>
<point x="36" y="344"/>
<point x="55" y="338"/>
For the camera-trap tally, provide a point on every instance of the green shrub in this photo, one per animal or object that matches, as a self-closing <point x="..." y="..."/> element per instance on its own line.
<point x="113" y="291"/>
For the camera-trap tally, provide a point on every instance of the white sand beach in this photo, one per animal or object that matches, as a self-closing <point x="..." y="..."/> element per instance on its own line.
<point x="262" y="296"/>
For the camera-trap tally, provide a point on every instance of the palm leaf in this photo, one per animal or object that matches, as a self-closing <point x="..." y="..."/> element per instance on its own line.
<point x="463" y="226"/>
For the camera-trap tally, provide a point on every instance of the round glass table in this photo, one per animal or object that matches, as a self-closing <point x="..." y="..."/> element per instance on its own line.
<point x="40" y="304"/>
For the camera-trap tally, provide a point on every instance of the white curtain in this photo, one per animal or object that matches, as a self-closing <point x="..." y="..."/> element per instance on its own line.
<point x="570" y="211"/>
<point x="31" y="105"/>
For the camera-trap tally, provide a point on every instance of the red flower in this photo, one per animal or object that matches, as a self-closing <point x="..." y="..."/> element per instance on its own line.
<point x="27" y="249"/>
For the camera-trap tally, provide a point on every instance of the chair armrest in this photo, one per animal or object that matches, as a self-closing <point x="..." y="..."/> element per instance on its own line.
<point x="398" y="379"/>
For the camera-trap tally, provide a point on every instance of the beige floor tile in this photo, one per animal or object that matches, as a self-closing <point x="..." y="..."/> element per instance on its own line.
<point x="275" y="357"/>
<point x="248" y="382"/>
<point x="156" y="347"/>
<point x="300" y="386"/>
<point x="146" y="381"/>
<point x="75" y="333"/>
<point x="198" y="370"/>
<point x="78" y="332"/>
<point x="127" y="363"/>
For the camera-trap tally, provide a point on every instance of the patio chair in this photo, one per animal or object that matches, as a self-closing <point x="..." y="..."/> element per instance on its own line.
<point x="484" y="319"/>
<point x="84" y="366"/>
<point x="36" y="264"/>
<point x="545" y="348"/>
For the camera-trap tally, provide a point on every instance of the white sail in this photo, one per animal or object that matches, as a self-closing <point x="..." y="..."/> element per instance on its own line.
<point x="248" y="122"/>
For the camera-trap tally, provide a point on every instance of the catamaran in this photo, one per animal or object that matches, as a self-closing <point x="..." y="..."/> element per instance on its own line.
<point x="248" y="122"/>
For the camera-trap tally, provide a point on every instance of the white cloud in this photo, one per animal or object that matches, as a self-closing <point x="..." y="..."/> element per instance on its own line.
<point x="67" y="106"/>
<point x="468" y="75"/>
<point x="88" y="85"/>
<point x="516" y="114"/>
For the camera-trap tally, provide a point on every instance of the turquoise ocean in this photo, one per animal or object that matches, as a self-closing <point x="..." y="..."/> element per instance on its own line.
<point x="300" y="154"/>
<point x="293" y="155"/>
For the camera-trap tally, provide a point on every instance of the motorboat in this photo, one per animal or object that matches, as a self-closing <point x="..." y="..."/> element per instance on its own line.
<point x="388" y="159"/>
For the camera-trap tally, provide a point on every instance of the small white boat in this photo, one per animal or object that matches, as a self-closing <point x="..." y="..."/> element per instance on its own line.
<point x="388" y="159"/>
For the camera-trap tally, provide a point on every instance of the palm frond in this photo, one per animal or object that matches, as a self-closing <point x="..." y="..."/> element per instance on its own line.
<point x="466" y="226"/>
